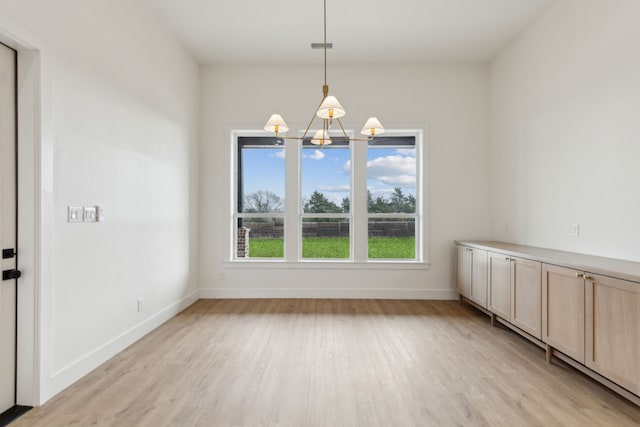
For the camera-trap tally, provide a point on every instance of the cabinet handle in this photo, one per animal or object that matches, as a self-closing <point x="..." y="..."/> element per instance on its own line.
<point x="587" y="277"/>
<point x="507" y="258"/>
<point x="580" y="276"/>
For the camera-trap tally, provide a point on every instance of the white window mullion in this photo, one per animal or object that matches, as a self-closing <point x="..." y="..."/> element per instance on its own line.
<point x="292" y="194"/>
<point x="359" y="205"/>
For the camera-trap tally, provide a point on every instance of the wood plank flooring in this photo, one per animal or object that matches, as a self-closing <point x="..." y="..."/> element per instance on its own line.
<point x="333" y="363"/>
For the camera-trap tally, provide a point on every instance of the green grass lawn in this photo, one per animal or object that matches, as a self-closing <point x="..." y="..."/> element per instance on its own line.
<point x="392" y="247"/>
<point x="325" y="247"/>
<point x="266" y="248"/>
<point x="336" y="247"/>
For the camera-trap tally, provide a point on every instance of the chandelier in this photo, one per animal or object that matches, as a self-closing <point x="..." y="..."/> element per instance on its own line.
<point x="329" y="110"/>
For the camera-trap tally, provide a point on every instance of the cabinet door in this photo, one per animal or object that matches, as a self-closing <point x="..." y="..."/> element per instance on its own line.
<point x="613" y="330"/>
<point x="563" y="310"/>
<point x="464" y="271"/>
<point x="526" y="298"/>
<point x="499" y="274"/>
<point x="479" y="277"/>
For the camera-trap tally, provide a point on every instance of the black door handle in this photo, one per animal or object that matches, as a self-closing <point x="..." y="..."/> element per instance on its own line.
<point x="11" y="274"/>
<point x="8" y="253"/>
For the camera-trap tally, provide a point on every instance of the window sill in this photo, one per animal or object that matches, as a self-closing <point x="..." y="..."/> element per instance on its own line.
<point x="324" y="265"/>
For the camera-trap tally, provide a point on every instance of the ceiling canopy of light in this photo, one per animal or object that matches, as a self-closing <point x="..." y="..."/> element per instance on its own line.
<point x="329" y="110"/>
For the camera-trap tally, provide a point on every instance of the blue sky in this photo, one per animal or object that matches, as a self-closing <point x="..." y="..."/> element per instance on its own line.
<point x="264" y="170"/>
<point x="327" y="170"/>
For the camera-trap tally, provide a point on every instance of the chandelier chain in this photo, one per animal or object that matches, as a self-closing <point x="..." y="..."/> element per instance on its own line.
<point x="325" y="42"/>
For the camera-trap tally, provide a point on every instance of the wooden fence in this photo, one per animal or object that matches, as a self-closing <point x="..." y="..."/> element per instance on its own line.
<point x="271" y="230"/>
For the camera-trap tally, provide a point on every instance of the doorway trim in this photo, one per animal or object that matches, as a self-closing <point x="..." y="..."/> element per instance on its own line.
<point x="35" y="204"/>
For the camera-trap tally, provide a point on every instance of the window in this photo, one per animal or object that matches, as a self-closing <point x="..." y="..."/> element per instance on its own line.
<point x="391" y="198"/>
<point x="260" y="198"/>
<point x="350" y="201"/>
<point x="326" y="192"/>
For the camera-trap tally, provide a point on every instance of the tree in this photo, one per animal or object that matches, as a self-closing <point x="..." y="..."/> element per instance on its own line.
<point x="411" y="203"/>
<point x="397" y="202"/>
<point x="380" y="205"/>
<point x="318" y="203"/>
<point x="377" y="205"/>
<point x="262" y="201"/>
<point x="400" y="203"/>
<point x="346" y="205"/>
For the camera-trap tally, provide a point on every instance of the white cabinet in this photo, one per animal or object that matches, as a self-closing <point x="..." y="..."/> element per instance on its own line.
<point x="595" y="320"/>
<point x="526" y="295"/>
<point x="589" y="320"/>
<point x="499" y="271"/>
<point x="463" y="281"/>
<point x="612" y="329"/>
<point x="515" y="291"/>
<point x="472" y="274"/>
<point x="479" y="277"/>
<point x="563" y="310"/>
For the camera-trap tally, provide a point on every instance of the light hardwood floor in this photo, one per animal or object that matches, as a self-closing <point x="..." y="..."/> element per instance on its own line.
<point x="332" y="363"/>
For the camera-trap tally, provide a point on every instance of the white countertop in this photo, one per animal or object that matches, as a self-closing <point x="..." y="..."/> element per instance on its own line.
<point x="627" y="270"/>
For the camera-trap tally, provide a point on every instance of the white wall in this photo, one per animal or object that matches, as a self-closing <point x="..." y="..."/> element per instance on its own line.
<point x="124" y="134"/>
<point x="451" y="101"/>
<point x="565" y="100"/>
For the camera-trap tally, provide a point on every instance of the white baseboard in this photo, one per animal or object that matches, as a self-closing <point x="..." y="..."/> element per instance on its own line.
<point x="71" y="373"/>
<point x="338" y="293"/>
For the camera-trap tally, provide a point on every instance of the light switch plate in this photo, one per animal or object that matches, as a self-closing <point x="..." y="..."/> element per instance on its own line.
<point x="75" y="214"/>
<point x="99" y="213"/>
<point x="89" y="214"/>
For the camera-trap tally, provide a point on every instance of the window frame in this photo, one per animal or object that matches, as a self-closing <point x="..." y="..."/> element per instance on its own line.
<point x="302" y="215"/>
<point x="417" y="215"/>
<point x="237" y="216"/>
<point x="358" y="217"/>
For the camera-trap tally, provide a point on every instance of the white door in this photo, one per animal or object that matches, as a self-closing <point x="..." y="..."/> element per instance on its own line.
<point x="7" y="227"/>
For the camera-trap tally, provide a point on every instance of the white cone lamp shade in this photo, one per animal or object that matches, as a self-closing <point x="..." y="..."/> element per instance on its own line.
<point x="330" y="109"/>
<point x="373" y="127"/>
<point x="276" y="124"/>
<point x="321" y="138"/>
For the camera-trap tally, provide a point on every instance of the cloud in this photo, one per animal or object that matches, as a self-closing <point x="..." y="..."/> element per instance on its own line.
<point x="395" y="170"/>
<point x="411" y="152"/>
<point x="335" y="198"/>
<point x="347" y="167"/>
<point x="279" y="154"/>
<point x="317" y="155"/>
<point x="335" y="188"/>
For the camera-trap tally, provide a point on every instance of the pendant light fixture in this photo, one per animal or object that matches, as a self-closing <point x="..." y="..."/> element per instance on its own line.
<point x="329" y="110"/>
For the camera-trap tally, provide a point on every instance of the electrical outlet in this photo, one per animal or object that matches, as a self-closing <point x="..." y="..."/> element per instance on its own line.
<point x="140" y="304"/>
<point x="575" y="230"/>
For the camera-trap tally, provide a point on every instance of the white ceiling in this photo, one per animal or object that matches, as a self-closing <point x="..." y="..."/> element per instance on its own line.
<point x="281" y="31"/>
